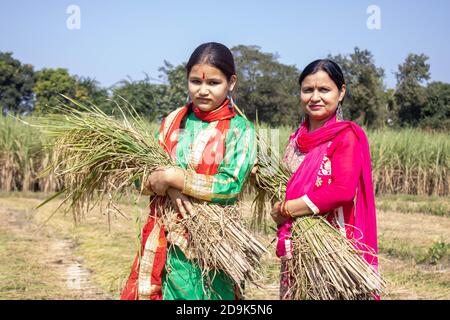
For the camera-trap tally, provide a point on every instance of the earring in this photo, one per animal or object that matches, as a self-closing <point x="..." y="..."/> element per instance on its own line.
<point x="230" y="99"/>
<point x="339" y="114"/>
<point x="303" y="118"/>
<point x="188" y="99"/>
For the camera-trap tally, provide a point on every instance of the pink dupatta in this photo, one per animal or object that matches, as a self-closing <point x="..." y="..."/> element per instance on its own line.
<point x="314" y="145"/>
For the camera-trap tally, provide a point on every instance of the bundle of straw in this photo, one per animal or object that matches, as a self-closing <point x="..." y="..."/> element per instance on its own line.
<point x="325" y="264"/>
<point x="223" y="242"/>
<point x="98" y="156"/>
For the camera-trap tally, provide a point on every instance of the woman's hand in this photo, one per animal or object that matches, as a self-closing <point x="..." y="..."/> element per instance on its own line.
<point x="158" y="181"/>
<point x="276" y="214"/>
<point x="180" y="201"/>
<point x="146" y="191"/>
<point x="165" y="177"/>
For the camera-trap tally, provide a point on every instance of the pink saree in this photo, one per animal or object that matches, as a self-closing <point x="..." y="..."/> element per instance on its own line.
<point x="335" y="168"/>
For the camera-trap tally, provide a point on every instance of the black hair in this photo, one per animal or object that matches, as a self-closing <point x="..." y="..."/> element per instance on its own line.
<point x="215" y="54"/>
<point x="329" y="66"/>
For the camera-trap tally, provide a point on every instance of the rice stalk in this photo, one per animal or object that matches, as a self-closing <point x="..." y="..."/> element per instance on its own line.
<point x="331" y="264"/>
<point x="98" y="158"/>
<point x="219" y="241"/>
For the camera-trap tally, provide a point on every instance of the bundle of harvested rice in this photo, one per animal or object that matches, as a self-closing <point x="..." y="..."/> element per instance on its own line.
<point x="222" y="242"/>
<point x="325" y="265"/>
<point x="98" y="156"/>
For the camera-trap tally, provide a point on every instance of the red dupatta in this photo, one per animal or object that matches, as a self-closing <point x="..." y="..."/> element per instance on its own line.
<point x="145" y="281"/>
<point x="215" y="148"/>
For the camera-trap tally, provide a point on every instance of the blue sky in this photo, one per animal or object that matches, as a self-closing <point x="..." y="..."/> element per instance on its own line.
<point x="117" y="39"/>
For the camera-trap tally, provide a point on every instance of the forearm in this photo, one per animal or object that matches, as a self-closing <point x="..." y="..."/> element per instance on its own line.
<point x="175" y="178"/>
<point x="298" y="208"/>
<point x="163" y="178"/>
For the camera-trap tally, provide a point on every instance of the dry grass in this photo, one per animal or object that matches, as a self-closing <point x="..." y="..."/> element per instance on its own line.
<point x="107" y="254"/>
<point x="36" y="264"/>
<point x="413" y="235"/>
<point x="23" y="154"/>
<point x="432" y="205"/>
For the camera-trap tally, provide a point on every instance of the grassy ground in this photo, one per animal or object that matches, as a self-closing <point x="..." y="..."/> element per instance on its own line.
<point x="59" y="260"/>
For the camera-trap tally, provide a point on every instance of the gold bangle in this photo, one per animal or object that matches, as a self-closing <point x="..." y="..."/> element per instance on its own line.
<point x="280" y="210"/>
<point x="283" y="211"/>
<point x="287" y="211"/>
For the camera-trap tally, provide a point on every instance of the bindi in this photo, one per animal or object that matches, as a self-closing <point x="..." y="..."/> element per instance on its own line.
<point x="203" y="76"/>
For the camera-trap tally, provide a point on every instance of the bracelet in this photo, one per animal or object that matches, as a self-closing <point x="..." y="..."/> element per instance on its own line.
<point x="283" y="210"/>
<point x="289" y="213"/>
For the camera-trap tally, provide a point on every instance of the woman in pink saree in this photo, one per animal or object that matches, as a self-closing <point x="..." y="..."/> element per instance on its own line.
<point x="331" y="170"/>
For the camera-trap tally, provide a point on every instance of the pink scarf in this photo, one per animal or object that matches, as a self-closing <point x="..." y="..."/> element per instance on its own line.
<point x="315" y="145"/>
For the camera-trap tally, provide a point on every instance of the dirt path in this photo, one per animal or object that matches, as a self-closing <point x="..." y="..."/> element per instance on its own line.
<point x="58" y="255"/>
<point x="47" y="264"/>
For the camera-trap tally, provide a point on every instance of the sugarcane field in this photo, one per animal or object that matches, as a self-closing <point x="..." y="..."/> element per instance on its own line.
<point x="255" y="155"/>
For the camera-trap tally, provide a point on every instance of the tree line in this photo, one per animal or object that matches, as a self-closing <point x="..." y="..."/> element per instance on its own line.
<point x="267" y="89"/>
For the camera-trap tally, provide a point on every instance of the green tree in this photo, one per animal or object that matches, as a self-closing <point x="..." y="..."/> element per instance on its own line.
<point x="155" y="101"/>
<point x="391" y="107"/>
<point x="144" y="96"/>
<point x="16" y="84"/>
<point x="365" y="101"/>
<point x="89" y="91"/>
<point x="436" y="111"/>
<point x="266" y="87"/>
<point x="50" y="83"/>
<point x="175" y="93"/>
<point x="411" y="94"/>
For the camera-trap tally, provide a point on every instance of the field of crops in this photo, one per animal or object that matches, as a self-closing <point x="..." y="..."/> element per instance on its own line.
<point x="408" y="161"/>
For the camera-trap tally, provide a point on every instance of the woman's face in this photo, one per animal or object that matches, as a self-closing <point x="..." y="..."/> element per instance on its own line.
<point x="320" y="96"/>
<point x="208" y="86"/>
